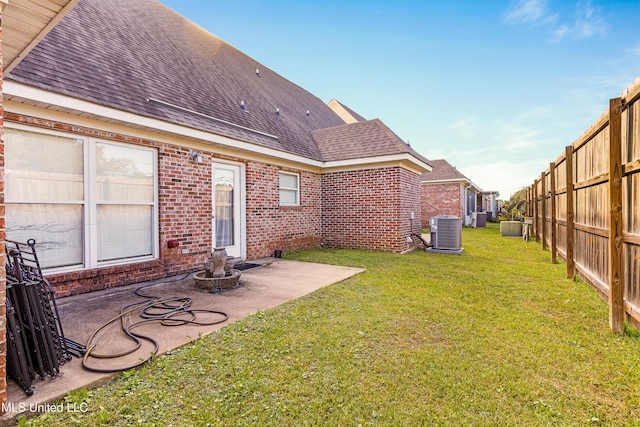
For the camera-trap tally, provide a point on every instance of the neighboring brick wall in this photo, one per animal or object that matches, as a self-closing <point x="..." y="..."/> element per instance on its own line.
<point x="271" y="226"/>
<point x="3" y="281"/>
<point x="441" y="199"/>
<point x="369" y="209"/>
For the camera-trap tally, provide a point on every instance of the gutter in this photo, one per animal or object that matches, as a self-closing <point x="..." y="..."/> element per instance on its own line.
<point x="109" y="115"/>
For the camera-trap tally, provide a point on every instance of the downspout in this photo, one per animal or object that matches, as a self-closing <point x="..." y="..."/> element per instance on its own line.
<point x="466" y="206"/>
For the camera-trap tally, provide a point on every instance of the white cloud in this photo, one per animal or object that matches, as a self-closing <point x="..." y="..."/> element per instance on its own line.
<point x="529" y="12"/>
<point x="465" y="128"/>
<point x="503" y="175"/>
<point x="585" y="22"/>
<point x="635" y="50"/>
<point x="505" y="154"/>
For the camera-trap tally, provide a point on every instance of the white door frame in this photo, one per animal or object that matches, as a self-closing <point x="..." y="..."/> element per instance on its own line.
<point x="239" y="249"/>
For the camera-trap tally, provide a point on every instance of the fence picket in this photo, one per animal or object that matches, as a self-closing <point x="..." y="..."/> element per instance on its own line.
<point x="593" y="208"/>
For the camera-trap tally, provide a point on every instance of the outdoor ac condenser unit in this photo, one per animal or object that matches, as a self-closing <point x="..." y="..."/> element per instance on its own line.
<point x="446" y="234"/>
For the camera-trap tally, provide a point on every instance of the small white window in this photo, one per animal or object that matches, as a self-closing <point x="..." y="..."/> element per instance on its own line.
<point x="289" y="189"/>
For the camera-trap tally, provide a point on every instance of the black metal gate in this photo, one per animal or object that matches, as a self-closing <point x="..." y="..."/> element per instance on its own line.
<point x="36" y="346"/>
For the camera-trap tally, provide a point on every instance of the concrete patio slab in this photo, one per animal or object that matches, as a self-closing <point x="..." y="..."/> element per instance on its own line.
<point x="273" y="282"/>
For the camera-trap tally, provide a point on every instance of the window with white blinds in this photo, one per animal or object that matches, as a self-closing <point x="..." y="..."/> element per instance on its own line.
<point x="289" y="189"/>
<point x="85" y="202"/>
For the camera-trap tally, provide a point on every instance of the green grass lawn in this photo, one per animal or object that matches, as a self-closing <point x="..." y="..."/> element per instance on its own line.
<point x="496" y="336"/>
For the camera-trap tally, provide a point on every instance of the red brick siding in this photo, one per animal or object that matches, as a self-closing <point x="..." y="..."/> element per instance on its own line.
<point x="410" y="201"/>
<point x="3" y="281"/>
<point x="441" y="199"/>
<point x="271" y="226"/>
<point x="185" y="203"/>
<point x="369" y="209"/>
<point x="185" y="207"/>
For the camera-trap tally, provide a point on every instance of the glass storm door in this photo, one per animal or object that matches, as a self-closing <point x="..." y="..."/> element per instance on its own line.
<point x="226" y="208"/>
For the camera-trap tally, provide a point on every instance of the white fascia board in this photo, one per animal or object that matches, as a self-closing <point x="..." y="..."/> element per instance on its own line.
<point x="445" y="181"/>
<point x="39" y="95"/>
<point x="464" y="181"/>
<point x="11" y="88"/>
<point x="402" y="157"/>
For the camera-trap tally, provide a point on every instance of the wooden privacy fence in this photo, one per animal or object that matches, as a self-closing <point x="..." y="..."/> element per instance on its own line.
<point x="586" y="206"/>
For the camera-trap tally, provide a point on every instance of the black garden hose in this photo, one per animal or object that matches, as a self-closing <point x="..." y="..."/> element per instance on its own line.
<point x="424" y="242"/>
<point x="171" y="311"/>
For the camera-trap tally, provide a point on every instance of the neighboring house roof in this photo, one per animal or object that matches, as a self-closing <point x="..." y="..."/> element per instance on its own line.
<point x="443" y="172"/>
<point x="345" y="113"/>
<point x="140" y="57"/>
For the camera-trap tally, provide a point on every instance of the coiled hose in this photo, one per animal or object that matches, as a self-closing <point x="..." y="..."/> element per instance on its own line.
<point x="171" y="311"/>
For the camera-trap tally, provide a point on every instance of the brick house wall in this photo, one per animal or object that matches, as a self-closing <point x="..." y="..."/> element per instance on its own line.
<point x="441" y="199"/>
<point x="185" y="206"/>
<point x="375" y="211"/>
<point x="271" y="226"/>
<point x="410" y="202"/>
<point x="3" y="279"/>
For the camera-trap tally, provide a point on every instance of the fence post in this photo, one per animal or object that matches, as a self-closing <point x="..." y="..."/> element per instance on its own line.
<point x="571" y="265"/>
<point x="530" y="205"/>
<point x="552" y="189"/>
<point x="543" y="212"/>
<point x="534" y="226"/>
<point x="616" y="274"/>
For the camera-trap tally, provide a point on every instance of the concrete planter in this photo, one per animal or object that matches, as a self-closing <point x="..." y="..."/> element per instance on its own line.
<point x="511" y="228"/>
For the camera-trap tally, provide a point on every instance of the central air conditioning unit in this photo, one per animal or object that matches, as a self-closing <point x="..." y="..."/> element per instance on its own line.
<point x="446" y="234"/>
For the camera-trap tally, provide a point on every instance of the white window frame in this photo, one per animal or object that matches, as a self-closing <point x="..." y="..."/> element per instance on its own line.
<point x="294" y="190"/>
<point x="89" y="226"/>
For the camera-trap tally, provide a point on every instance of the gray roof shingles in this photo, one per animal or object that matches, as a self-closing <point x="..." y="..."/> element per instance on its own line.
<point x="369" y="138"/>
<point x="443" y="171"/>
<point x="119" y="53"/>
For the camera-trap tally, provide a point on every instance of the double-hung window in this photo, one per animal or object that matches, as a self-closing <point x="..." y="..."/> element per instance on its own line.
<point x="289" y="189"/>
<point x="85" y="202"/>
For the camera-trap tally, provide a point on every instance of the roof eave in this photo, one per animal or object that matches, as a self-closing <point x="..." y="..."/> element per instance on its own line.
<point x="468" y="183"/>
<point x="25" y="46"/>
<point x="32" y="96"/>
<point x="406" y="160"/>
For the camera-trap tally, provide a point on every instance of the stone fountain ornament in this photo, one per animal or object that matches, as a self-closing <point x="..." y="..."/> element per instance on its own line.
<point x="218" y="272"/>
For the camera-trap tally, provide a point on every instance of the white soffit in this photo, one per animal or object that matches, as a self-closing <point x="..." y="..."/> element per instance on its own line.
<point x="25" y="23"/>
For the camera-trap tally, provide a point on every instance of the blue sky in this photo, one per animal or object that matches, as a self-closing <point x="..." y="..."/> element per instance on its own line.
<point x="497" y="88"/>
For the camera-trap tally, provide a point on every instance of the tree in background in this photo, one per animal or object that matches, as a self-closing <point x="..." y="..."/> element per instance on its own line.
<point x="516" y="208"/>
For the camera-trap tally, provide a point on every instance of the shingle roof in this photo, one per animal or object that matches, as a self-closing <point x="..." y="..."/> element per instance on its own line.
<point x="119" y="53"/>
<point x="361" y="139"/>
<point x="443" y="171"/>
<point x="122" y="53"/>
